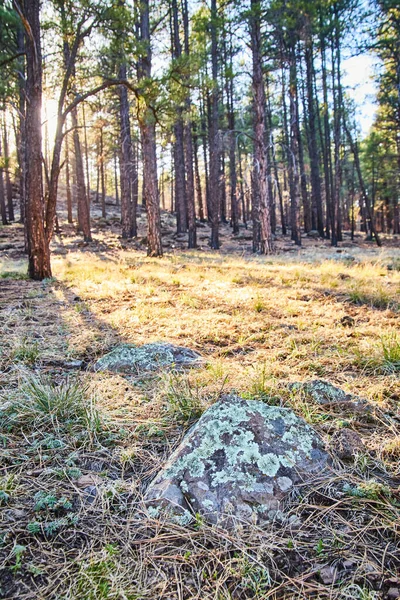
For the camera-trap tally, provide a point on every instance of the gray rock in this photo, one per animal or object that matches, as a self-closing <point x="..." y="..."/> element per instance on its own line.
<point x="132" y="359"/>
<point x="313" y="234"/>
<point x="237" y="464"/>
<point x="325" y="393"/>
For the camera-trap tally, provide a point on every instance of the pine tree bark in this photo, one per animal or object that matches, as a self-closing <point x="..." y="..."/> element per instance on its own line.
<point x="10" y="206"/>
<point x="316" y="196"/>
<point x="102" y="175"/>
<point x="68" y="180"/>
<point x="199" y="194"/>
<point x="147" y="126"/>
<point x="38" y="246"/>
<point x="81" y="195"/>
<point x="3" y="211"/>
<point x="260" y="172"/>
<point x="214" y="141"/>
<point x="188" y="140"/>
<point x="294" y="149"/>
<point x="20" y="139"/>
<point x="326" y="149"/>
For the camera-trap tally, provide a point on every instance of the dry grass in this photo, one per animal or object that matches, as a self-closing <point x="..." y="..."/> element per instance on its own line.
<point x="261" y="324"/>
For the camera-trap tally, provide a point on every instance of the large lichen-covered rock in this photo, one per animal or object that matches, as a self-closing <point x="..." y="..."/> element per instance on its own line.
<point x="237" y="464"/>
<point x="132" y="359"/>
<point x="324" y="393"/>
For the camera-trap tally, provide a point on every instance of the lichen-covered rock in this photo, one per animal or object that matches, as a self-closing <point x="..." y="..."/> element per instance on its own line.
<point x="237" y="464"/>
<point x="132" y="359"/>
<point x="325" y="393"/>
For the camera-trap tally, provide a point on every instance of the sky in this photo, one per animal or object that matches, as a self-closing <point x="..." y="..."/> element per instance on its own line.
<point x="358" y="72"/>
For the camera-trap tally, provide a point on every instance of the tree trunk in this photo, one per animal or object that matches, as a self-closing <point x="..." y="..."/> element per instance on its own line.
<point x="199" y="194"/>
<point x="294" y="149"/>
<point x="260" y="172"/>
<point x="38" y="245"/>
<point x="20" y="140"/>
<point x="188" y="139"/>
<point x="102" y="176"/>
<point x="326" y="148"/>
<point x="214" y="133"/>
<point x="81" y="196"/>
<point x="148" y="132"/>
<point x="3" y="211"/>
<point x="10" y="205"/>
<point x="86" y="153"/>
<point x="316" y="200"/>
<point x="354" y="149"/>
<point x="116" y="190"/>
<point x="68" y="180"/>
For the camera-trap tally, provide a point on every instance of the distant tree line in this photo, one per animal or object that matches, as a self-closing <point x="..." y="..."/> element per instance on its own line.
<point x="227" y="112"/>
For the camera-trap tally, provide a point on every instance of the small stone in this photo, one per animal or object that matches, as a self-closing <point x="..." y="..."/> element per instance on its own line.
<point x="89" y="480"/>
<point x="15" y="514"/>
<point x="346" y="443"/>
<point x="90" y="494"/>
<point x="328" y="575"/>
<point x="393" y="592"/>
<point x="73" y="364"/>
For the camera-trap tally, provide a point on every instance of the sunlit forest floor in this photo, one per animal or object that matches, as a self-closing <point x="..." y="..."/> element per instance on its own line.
<point x="261" y="323"/>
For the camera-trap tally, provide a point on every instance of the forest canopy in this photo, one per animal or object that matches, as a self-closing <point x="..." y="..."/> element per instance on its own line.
<point x="220" y="112"/>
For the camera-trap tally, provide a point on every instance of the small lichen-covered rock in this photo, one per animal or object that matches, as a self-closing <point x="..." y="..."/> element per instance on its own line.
<point x="237" y="464"/>
<point x="132" y="359"/>
<point x="325" y="393"/>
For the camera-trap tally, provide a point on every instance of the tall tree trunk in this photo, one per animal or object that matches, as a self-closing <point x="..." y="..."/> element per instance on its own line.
<point x="179" y="142"/>
<point x="116" y="189"/>
<point x="396" y="208"/>
<point x="364" y="193"/>
<point x="102" y="175"/>
<point x="191" y="207"/>
<point x="147" y="126"/>
<point x="294" y="149"/>
<point x="3" y="211"/>
<point x="205" y="159"/>
<point x="214" y="133"/>
<point x="199" y="194"/>
<point x="260" y="172"/>
<point x="38" y="245"/>
<point x="316" y="201"/>
<point x="241" y="184"/>
<point x="86" y="152"/>
<point x="81" y="195"/>
<point x="180" y="183"/>
<point x="330" y="228"/>
<point x="188" y="139"/>
<point x="20" y="139"/>
<point x="9" y="196"/>
<point x="336" y="93"/>
<point x="68" y="180"/>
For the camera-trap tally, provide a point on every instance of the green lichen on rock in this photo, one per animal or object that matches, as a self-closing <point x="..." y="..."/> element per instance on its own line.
<point x="322" y="392"/>
<point x="132" y="359"/>
<point x="240" y="455"/>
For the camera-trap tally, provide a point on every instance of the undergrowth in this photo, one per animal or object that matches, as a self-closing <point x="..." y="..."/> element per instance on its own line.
<point x="79" y="447"/>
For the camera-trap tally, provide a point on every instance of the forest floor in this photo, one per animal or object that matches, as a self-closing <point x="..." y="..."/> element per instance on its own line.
<point x="261" y="323"/>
